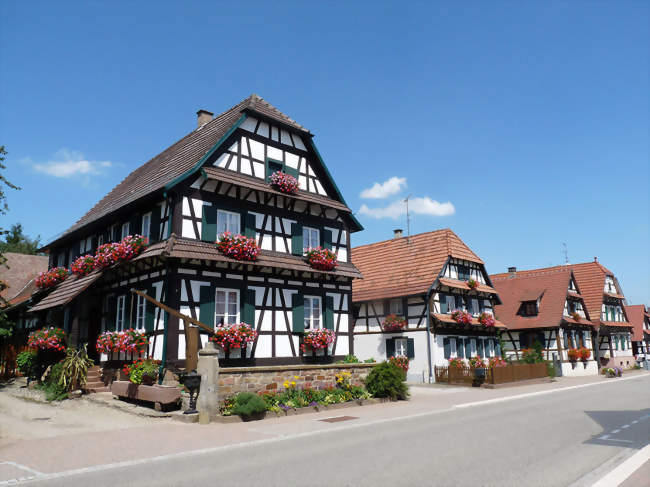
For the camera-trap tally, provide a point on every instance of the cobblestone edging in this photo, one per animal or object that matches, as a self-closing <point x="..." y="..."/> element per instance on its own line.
<point x="271" y="378"/>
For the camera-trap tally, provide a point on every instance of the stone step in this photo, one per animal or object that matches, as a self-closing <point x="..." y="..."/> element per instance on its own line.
<point x="97" y="389"/>
<point x="95" y="383"/>
<point x="93" y="374"/>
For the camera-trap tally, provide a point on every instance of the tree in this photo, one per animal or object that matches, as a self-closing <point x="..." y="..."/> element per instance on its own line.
<point x="16" y="241"/>
<point x="5" y="325"/>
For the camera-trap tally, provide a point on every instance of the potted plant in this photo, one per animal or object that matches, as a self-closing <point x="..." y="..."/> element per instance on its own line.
<point x="233" y="338"/>
<point x="574" y="355"/>
<point x="317" y="340"/>
<point x="238" y="247"/>
<point x="461" y="317"/>
<point x="585" y="354"/>
<point x="83" y="265"/>
<point x="486" y="319"/>
<point x="472" y="283"/>
<point x="143" y="372"/>
<point x="393" y="323"/>
<point x="106" y="255"/>
<point x="456" y="363"/>
<point x="321" y="259"/>
<point x="51" y="277"/>
<point x="400" y="361"/>
<point x="284" y="182"/>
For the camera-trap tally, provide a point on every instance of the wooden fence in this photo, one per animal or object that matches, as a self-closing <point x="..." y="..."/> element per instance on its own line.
<point x="8" y="353"/>
<point x="496" y="375"/>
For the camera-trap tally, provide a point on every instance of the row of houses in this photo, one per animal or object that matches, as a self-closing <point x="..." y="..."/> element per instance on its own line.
<point x="216" y="180"/>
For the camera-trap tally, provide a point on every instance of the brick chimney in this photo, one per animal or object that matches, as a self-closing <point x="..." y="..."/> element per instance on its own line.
<point x="512" y="271"/>
<point x="595" y="259"/>
<point x="203" y="117"/>
<point x="397" y="233"/>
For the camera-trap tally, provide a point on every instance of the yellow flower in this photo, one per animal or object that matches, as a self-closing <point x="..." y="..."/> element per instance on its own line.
<point x="293" y="383"/>
<point x="296" y="377"/>
<point x="286" y="384"/>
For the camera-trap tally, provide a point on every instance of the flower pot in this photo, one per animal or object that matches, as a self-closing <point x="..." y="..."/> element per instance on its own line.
<point x="233" y="353"/>
<point x="148" y="380"/>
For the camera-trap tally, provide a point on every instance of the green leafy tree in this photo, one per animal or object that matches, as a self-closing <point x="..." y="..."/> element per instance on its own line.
<point x="16" y="241"/>
<point x="5" y="325"/>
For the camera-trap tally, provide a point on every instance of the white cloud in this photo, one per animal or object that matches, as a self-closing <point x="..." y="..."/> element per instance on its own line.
<point x="417" y="206"/>
<point x="68" y="164"/>
<point x="383" y="190"/>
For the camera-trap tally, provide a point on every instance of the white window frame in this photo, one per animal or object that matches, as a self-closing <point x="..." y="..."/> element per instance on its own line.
<point x="395" y="307"/>
<point x="310" y="320"/>
<point x="140" y="312"/>
<point x="226" y="315"/>
<point x="145" y="228"/>
<point x="307" y="237"/>
<point x="82" y="247"/>
<point x="126" y="225"/>
<point x="401" y="347"/>
<point x="60" y="260"/>
<point x="119" y="312"/>
<point x="113" y="231"/>
<point x="225" y="213"/>
<point x="100" y="239"/>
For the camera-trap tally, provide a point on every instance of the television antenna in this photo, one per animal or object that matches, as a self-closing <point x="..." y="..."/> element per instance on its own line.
<point x="566" y="254"/>
<point x="408" y="218"/>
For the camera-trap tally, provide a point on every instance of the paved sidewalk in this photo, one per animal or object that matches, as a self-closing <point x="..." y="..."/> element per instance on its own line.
<point x="158" y="437"/>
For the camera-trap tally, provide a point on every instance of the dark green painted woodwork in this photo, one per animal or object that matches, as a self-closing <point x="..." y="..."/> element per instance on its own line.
<point x="410" y="348"/>
<point x="329" y="313"/>
<point x="209" y="224"/>
<point x="150" y="310"/>
<point x="249" y="225"/>
<point x="298" y="312"/>
<point x="206" y="305"/>
<point x="390" y="347"/>
<point x="154" y="226"/>
<point x="247" y="306"/>
<point x="296" y="239"/>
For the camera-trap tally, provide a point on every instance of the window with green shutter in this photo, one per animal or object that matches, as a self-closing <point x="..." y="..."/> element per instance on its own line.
<point x="298" y="313"/>
<point x="447" y="347"/>
<point x="329" y="313"/>
<point x="248" y="307"/>
<point x="150" y="311"/>
<point x="327" y="239"/>
<point x="390" y="347"/>
<point x="249" y="225"/>
<point x="296" y="239"/>
<point x="154" y="225"/>
<point x="410" y="348"/>
<point x="209" y="224"/>
<point x="206" y="305"/>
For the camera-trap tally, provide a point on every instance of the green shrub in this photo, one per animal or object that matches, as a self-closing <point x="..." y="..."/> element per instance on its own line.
<point x="370" y="360"/>
<point x="54" y="391"/>
<point x="387" y="380"/>
<point x="248" y="404"/>
<point x="26" y="362"/>
<point x="75" y="368"/>
<point x="550" y="370"/>
<point x="350" y="359"/>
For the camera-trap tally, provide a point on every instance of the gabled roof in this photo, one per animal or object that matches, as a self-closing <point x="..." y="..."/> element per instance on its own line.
<point x="22" y="268"/>
<point x="406" y="265"/>
<point x="637" y="314"/>
<point x="549" y="286"/>
<point x="175" y="162"/>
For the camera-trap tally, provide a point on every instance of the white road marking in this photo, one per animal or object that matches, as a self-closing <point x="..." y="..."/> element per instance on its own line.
<point x="617" y="476"/>
<point x="622" y="441"/>
<point x="604" y="437"/>
<point x="635" y="421"/>
<point x="625" y="426"/>
<point x="22" y="467"/>
<point x="615" y="431"/>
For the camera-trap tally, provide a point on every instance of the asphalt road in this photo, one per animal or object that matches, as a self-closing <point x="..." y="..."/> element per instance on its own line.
<point x="549" y="440"/>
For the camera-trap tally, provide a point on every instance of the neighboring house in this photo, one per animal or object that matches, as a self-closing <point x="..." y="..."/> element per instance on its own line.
<point x="422" y="278"/>
<point x="214" y="180"/>
<point x="19" y="274"/>
<point x="639" y="316"/>
<point x="545" y="306"/>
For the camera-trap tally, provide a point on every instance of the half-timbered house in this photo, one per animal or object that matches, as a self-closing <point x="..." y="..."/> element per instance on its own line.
<point x="424" y="279"/>
<point x="216" y="180"/>
<point x="546" y="306"/>
<point x="639" y="316"/>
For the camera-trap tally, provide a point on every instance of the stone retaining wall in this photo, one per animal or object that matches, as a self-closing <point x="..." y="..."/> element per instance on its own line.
<point x="255" y="379"/>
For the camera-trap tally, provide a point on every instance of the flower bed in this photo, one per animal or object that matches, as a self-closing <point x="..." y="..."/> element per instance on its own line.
<point x="472" y="284"/>
<point x="284" y="182"/>
<point x="393" y="323"/>
<point x="400" y="361"/>
<point x="318" y="339"/>
<point x="238" y="247"/>
<point x="457" y="363"/>
<point x="233" y="336"/>
<point x="51" y="277"/>
<point x="47" y="339"/>
<point x="461" y="317"/>
<point x="322" y="259"/>
<point x="613" y="372"/>
<point x="130" y="340"/>
<point x="83" y="265"/>
<point x="486" y="319"/>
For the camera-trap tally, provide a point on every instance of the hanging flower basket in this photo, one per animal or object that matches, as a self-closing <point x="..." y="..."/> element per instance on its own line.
<point x="585" y="353"/>
<point x="127" y="341"/>
<point x="400" y="361"/>
<point x="477" y="363"/>
<point x="486" y="319"/>
<point x="51" y="277"/>
<point x="318" y="339"/>
<point x="238" y="247"/>
<point x="456" y="363"/>
<point x="47" y="339"/>
<point x="394" y="323"/>
<point x="574" y="354"/>
<point x="231" y="337"/>
<point x="83" y="265"/>
<point x="322" y="259"/>
<point x="472" y="283"/>
<point x="461" y="317"/>
<point x="497" y="362"/>
<point x="284" y="182"/>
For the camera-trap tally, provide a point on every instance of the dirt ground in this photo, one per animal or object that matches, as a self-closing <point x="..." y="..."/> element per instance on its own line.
<point x="22" y="419"/>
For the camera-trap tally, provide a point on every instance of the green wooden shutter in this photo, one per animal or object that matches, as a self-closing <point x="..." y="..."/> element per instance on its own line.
<point x="298" y="312"/>
<point x="327" y="239"/>
<point x="111" y="313"/>
<point x="460" y="350"/>
<point x="135" y="225"/>
<point x="480" y="350"/>
<point x="444" y="309"/>
<point x="447" y="346"/>
<point x="206" y="305"/>
<point x="291" y="171"/>
<point x="296" y="239"/>
<point x="248" y="307"/>
<point x="154" y="225"/>
<point x="329" y="312"/>
<point x="150" y="311"/>
<point x="390" y="348"/>
<point x="116" y="233"/>
<point x="248" y="224"/>
<point x="468" y="348"/>
<point x="410" y="348"/>
<point x="209" y="225"/>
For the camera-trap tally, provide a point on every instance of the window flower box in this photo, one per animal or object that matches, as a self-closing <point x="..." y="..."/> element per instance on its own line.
<point x="393" y="323"/>
<point x="51" y="277"/>
<point x="83" y="265"/>
<point x="584" y="353"/>
<point x="321" y="259"/>
<point x="573" y="354"/>
<point x="233" y="339"/>
<point x="317" y="340"/>
<point x="127" y="341"/>
<point x="472" y="283"/>
<point x="142" y="371"/>
<point x="47" y="339"/>
<point x="486" y="319"/>
<point x="238" y="247"/>
<point x="461" y="317"/>
<point x="477" y="363"/>
<point x="400" y="361"/>
<point x="456" y="363"/>
<point x="497" y="362"/>
<point x="112" y="253"/>
<point x="284" y="182"/>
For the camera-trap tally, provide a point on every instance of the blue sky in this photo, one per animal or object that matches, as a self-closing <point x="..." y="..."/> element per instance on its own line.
<point x="527" y="122"/>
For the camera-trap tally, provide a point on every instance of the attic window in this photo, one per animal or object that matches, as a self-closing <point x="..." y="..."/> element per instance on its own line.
<point x="528" y="308"/>
<point x="273" y="165"/>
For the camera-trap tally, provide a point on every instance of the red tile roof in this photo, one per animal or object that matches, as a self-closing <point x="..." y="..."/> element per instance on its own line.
<point x="475" y="322"/>
<point x="406" y="265"/>
<point x="22" y="269"/>
<point x="551" y="284"/>
<point x="637" y="313"/>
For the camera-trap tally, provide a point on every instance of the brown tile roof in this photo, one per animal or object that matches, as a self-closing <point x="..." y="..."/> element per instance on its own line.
<point x="637" y="313"/>
<point x="590" y="278"/>
<point x="464" y="286"/>
<point x="475" y="322"/>
<point x="179" y="158"/>
<point x="66" y="291"/>
<point x="395" y="268"/>
<point x="552" y="284"/>
<point x="22" y="269"/>
<point x="183" y="248"/>
<point x="238" y="179"/>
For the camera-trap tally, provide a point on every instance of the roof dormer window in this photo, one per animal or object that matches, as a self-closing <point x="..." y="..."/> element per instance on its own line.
<point x="528" y="308"/>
